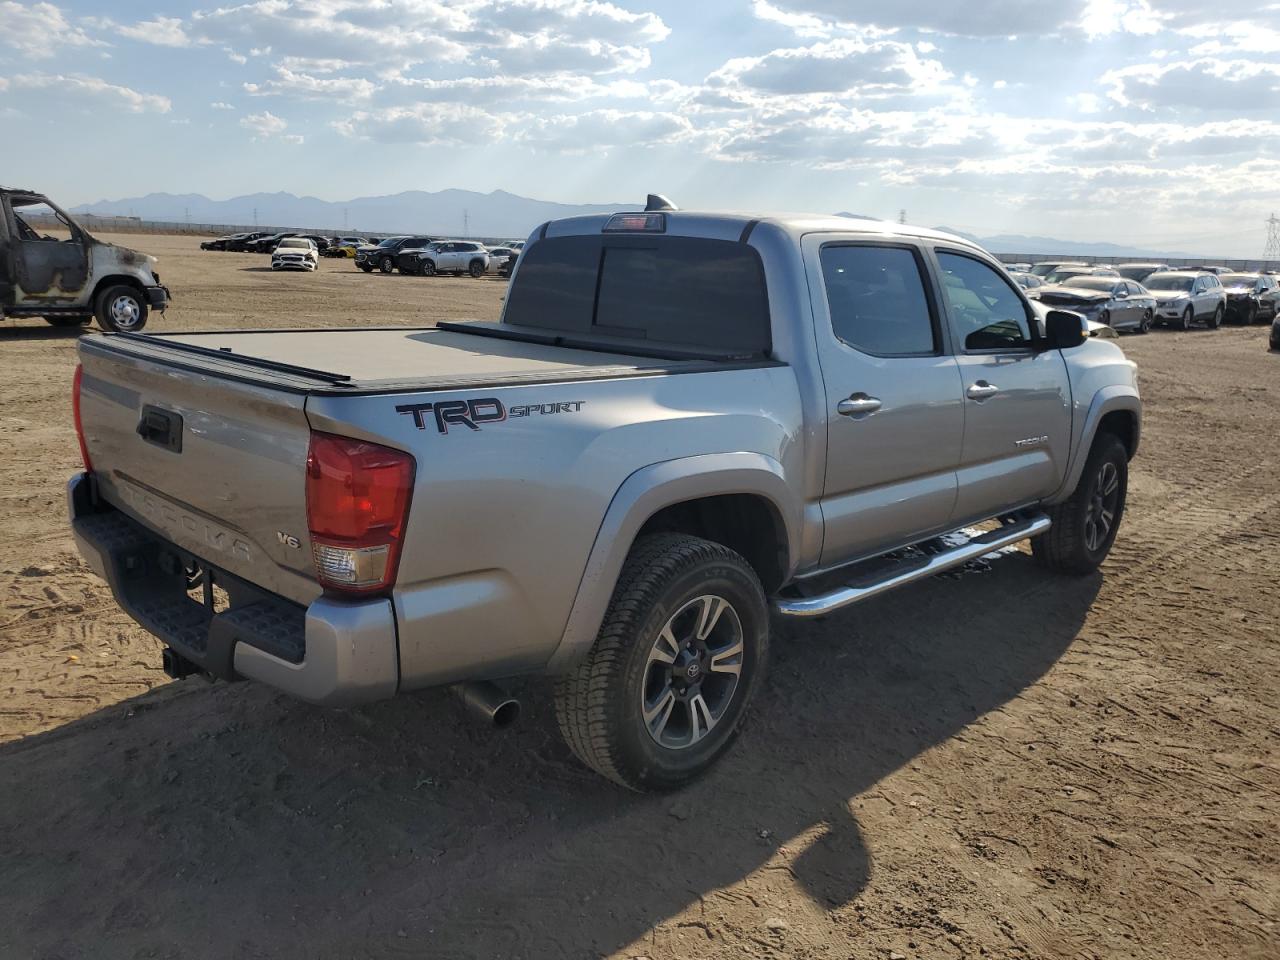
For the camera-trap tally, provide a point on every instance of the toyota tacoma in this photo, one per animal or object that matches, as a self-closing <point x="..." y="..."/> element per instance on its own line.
<point x="681" y="423"/>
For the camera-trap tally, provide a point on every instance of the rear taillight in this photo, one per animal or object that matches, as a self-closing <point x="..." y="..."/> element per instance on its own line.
<point x="75" y="413"/>
<point x="357" y="506"/>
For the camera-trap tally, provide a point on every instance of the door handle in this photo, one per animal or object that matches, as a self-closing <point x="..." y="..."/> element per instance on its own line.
<point x="982" y="390"/>
<point x="858" y="405"/>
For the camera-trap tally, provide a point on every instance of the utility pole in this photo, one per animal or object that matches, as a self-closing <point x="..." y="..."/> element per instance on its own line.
<point x="466" y="224"/>
<point x="255" y="216"/>
<point x="344" y="220"/>
<point x="1273" y="239"/>
<point x="902" y="215"/>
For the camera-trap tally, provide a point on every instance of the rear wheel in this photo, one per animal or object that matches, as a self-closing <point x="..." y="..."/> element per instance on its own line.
<point x="1216" y="320"/>
<point x="1085" y="525"/>
<point x="663" y="693"/>
<point x="1144" y="325"/>
<point x="476" y="269"/>
<point x="121" y="308"/>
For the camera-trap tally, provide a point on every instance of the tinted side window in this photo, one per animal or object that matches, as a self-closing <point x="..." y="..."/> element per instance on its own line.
<point x="877" y="300"/>
<point x="987" y="314"/>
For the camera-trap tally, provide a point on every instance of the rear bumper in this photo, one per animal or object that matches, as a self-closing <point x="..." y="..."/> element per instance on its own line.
<point x="331" y="652"/>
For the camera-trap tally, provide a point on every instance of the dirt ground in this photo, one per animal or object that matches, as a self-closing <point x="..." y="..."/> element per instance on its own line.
<point x="1004" y="764"/>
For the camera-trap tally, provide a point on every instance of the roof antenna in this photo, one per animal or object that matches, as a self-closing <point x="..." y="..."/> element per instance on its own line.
<point x="657" y="201"/>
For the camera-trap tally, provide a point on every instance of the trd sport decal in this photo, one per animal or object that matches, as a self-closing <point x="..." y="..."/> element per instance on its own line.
<point x="472" y="413"/>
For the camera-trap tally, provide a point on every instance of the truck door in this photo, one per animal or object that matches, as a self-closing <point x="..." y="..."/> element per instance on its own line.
<point x="1017" y="399"/>
<point x="49" y="253"/>
<point x="895" y="420"/>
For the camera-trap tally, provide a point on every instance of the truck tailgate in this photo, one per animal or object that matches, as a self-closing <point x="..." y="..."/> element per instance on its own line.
<point x="216" y="466"/>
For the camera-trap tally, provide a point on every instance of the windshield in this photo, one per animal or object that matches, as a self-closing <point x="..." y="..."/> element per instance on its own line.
<point x="1170" y="281"/>
<point x="1136" y="273"/>
<point x="294" y="243"/>
<point x="390" y="241"/>
<point x="1061" y="276"/>
<point x="1238" y="279"/>
<point x="1094" y="283"/>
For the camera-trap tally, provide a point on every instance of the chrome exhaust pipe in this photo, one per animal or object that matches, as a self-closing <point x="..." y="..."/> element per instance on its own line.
<point x="487" y="702"/>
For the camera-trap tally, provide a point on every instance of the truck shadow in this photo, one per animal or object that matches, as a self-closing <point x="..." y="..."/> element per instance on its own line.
<point x="230" y="821"/>
<point x="44" y="332"/>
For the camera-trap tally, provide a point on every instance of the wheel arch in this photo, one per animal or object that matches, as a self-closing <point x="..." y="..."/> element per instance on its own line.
<point x="1115" y="409"/>
<point x="738" y="499"/>
<point x="116" y="280"/>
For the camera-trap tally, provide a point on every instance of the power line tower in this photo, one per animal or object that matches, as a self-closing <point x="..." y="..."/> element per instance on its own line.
<point x="1273" y="239"/>
<point x="902" y="215"/>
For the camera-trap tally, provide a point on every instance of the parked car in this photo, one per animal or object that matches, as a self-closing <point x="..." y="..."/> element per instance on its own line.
<point x="1046" y="267"/>
<point x="343" y="247"/>
<point x="1184" y="297"/>
<point x="406" y="259"/>
<point x="799" y="402"/>
<point x="1140" y="271"/>
<point x="1018" y="267"/>
<point x="1027" y="281"/>
<point x="1275" y="334"/>
<point x="295" y="253"/>
<point x="1062" y="274"/>
<point x="267" y="243"/>
<point x="451" y="256"/>
<point x="240" y="243"/>
<point x="383" y="256"/>
<point x="218" y="243"/>
<point x="498" y="256"/>
<point x="1251" y="297"/>
<point x="322" y="243"/>
<point x="70" y="281"/>
<point x="1216" y="271"/>
<point x="1113" y="301"/>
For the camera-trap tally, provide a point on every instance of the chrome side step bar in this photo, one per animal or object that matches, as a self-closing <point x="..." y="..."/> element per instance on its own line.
<point x="927" y="566"/>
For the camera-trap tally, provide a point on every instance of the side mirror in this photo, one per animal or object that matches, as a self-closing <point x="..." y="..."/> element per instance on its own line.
<point x="1064" y="330"/>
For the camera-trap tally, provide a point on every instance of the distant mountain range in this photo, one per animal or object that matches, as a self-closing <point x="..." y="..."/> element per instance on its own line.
<point x="447" y="212"/>
<point x="467" y="212"/>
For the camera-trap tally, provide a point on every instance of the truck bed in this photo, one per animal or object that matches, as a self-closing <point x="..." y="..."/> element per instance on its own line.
<point x="377" y="360"/>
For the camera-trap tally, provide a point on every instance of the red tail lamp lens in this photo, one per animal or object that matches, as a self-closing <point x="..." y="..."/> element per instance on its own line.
<point x="358" y="497"/>
<point x="75" y="414"/>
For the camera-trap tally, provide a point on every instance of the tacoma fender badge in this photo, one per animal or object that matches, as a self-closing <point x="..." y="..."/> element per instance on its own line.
<point x="1031" y="442"/>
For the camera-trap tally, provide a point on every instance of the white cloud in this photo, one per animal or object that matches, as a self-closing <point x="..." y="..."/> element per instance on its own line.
<point x="305" y="86"/>
<point x="77" y="88"/>
<point x="162" y="31"/>
<point x="1212" y="85"/>
<point x="267" y="126"/>
<point x="221" y="105"/>
<point x="39" y="30"/>
<point x="601" y="129"/>
<point x="426" y="123"/>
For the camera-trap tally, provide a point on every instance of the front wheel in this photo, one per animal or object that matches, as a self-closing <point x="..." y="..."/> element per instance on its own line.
<point x="387" y="265"/>
<point x="1085" y="525"/>
<point x="428" y="268"/>
<point x="365" y="267"/>
<point x="1188" y="316"/>
<point x="1216" y="320"/>
<point x="664" y="690"/>
<point x="122" y="309"/>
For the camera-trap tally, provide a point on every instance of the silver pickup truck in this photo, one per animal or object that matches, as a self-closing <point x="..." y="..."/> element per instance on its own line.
<point x="682" y="423"/>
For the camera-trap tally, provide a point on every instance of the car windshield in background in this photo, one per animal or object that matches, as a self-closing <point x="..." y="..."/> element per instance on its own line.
<point x="680" y="291"/>
<point x="1093" y="283"/>
<point x="1238" y="279"/>
<point x="1135" y="273"/>
<point x="1166" y="281"/>
<point x="390" y="241"/>
<point x="1061" y="276"/>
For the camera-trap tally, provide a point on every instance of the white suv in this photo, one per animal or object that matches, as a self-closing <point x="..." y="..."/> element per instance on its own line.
<point x="453" y="256"/>
<point x="295" y="253"/>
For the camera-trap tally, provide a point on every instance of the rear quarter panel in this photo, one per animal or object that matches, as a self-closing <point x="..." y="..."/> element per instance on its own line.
<point x="503" y="518"/>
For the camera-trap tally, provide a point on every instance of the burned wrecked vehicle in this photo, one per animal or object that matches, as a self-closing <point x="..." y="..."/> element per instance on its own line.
<point x="71" y="278"/>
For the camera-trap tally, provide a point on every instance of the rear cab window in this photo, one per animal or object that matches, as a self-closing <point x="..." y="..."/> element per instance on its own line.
<point x="685" y="292"/>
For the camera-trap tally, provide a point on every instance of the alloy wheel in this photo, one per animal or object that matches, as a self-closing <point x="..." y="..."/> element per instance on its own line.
<point x="692" y="672"/>
<point x="1103" y="501"/>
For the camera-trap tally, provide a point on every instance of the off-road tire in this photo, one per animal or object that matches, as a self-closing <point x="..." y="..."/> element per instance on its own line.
<point x="1063" y="547"/>
<point x="599" y="704"/>
<point x="67" y="321"/>
<point x="105" y="308"/>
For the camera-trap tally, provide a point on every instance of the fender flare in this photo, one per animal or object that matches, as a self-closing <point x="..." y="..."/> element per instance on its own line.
<point x="1107" y="400"/>
<point x="644" y="493"/>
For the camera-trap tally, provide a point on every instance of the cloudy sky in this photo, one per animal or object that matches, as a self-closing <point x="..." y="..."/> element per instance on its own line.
<point x="1153" y="122"/>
